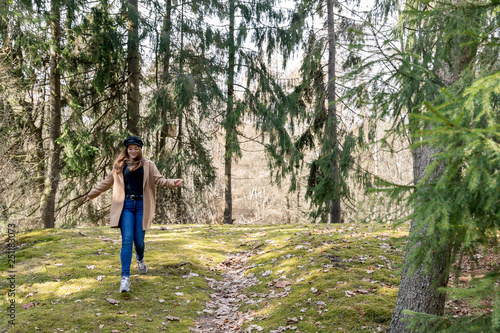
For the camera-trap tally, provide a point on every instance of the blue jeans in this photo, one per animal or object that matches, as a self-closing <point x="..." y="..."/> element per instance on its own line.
<point x="132" y="233"/>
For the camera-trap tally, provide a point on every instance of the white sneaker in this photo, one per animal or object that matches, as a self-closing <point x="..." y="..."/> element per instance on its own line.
<point x="125" y="284"/>
<point x="142" y="266"/>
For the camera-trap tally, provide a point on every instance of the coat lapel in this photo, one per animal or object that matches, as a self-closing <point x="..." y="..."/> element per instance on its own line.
<point x="121" y="181"/>
<point x="146" y="173"/>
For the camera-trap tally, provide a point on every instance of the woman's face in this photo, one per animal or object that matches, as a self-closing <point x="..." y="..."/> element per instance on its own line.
<point x="133" y="151"/>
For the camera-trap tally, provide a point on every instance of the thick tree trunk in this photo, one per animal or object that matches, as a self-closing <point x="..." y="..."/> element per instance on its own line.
<point x="133" y="68"/>
<point x="331" y="126"/>
<point x="228" y="209"/>
<point x="48" y="199"/>
<point x="419" y="292"/>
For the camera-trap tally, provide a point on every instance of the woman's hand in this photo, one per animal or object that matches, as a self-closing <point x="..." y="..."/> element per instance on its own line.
<point x="178" y="182"/>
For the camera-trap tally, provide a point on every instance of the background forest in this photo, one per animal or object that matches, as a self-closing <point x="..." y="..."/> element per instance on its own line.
<point x="196" y="81"/>
<point x="341" y="110"/>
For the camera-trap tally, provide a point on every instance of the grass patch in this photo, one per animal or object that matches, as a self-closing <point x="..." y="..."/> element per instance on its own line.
<point x="336" y="279"/>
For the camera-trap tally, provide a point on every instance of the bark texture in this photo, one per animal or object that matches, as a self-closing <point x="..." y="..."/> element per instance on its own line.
<point x="51" y="183"/>
<point x="165" y="79"/>
<point x="180" y="134"/>
<point x="331" y="126"/>
<point x="228" y="197"/>
<point x="419" y="292"/>
<point x="133" y="69"/>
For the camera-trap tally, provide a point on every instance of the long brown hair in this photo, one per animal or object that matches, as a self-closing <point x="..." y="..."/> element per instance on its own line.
<point x="124" y="157"/>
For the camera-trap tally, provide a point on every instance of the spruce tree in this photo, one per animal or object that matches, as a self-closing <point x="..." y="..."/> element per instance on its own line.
<point x="186" y="95"/>
<point x="255" y="23"/>
<point x="24" y="61"/>
<point x="312" y="103"/>
<point x="95" y="65"/>
<point x="439" y="57"/>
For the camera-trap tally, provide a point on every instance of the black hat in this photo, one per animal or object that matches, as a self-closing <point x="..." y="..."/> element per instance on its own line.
<point x="133" y="140"/>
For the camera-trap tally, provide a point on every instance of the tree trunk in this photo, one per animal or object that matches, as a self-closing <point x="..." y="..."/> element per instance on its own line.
<point x="180" y="146"/>
<point x="228" y="209"/>
<point x="180" y="204"/>
<point x="167" y="31"/>
<point x="419" y="292"/>
<point x="133" y="68"/>
<point x="331" y="126"/>
<point x="48" y="199"/>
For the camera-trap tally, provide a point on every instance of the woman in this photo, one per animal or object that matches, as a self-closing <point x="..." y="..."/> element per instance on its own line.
<point x="134" y="181"/>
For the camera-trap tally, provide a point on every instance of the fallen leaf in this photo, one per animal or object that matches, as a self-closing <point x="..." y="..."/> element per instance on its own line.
<point x="314" y="290"/>
<point x="361" y="291"/>
<point x="58" y="265"/>
<point x="100" y="277"/>
<point x="385" y="246"/>
<point x="91" y="266"/>
<point x="349" y="293"/>
<point x="171" y="318"/>
<point x="266" y="273"/>
<point x="190" y="275"/>
<point x="101" y="326"/>
<point x="321" y="304"/>
<point x="161" y="300"/>
<point x="282" y="284"/>
<point x="112" y="301"/>
<point x="27" y="305"/>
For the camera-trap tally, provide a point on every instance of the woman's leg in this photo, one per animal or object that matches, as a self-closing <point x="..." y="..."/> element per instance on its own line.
<point x="139" y="234"/>
<point x="127" y="231"/>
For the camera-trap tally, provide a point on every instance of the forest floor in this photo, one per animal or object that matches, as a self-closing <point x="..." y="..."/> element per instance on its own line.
<point x="280" y="278"/>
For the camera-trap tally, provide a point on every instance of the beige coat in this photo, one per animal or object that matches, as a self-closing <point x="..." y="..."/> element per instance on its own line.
<point x="152" y="177"/>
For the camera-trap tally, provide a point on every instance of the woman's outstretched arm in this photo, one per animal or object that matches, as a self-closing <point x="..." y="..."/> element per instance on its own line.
<point x="165" y="182"/>
<point x="103" y="186"/>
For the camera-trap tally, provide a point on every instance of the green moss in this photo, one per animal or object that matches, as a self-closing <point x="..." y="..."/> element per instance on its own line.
<point x="54" y="277"/>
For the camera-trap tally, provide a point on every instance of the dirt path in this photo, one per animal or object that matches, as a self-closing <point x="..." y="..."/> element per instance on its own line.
<point x="221" y="313"/>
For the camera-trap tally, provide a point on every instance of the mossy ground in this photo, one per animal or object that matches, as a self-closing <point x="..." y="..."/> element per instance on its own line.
<point x="338" y="278"/>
